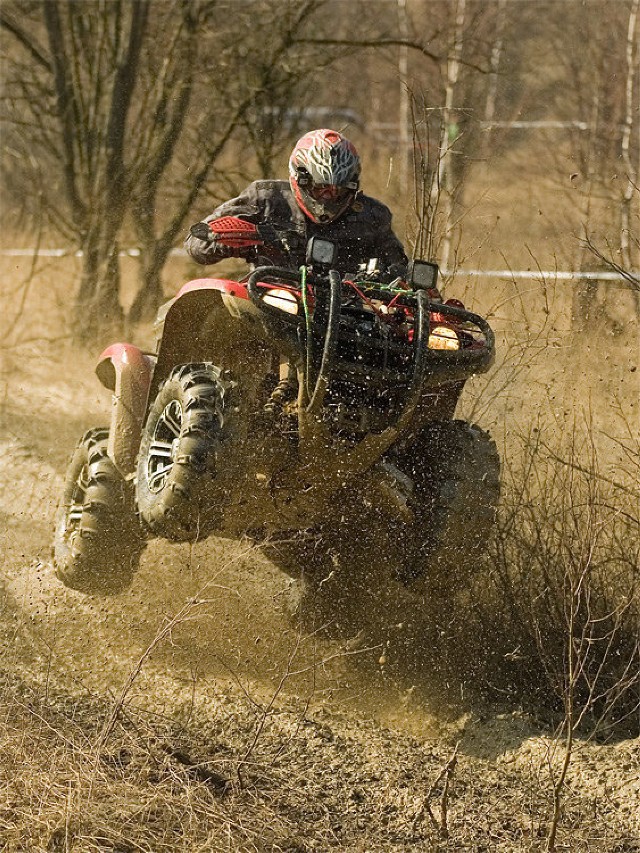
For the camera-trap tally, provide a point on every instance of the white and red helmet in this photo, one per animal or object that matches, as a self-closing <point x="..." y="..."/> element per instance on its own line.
<point x="324" y="173"/>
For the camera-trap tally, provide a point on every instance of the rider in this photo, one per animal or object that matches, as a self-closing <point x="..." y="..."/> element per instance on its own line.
<point x="322" y="197"/>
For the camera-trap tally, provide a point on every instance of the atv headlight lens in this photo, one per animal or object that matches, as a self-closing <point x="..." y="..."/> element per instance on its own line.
<point x="282" y="299"/>
<point x="442" y="337"/>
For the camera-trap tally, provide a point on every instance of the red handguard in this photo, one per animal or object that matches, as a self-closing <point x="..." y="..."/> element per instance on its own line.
<point x="235" y="233"/>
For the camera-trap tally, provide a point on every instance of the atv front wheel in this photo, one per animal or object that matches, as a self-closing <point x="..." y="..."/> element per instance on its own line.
<point x="98" y="539"/>
<point x="455" y="468"/>
<point x="179" y="491"/>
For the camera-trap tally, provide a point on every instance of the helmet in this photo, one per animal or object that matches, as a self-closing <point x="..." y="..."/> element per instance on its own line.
<point x="324" y="171"/>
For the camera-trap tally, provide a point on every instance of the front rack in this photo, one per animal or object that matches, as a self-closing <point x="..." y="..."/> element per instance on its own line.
<point x="329" y="339"/>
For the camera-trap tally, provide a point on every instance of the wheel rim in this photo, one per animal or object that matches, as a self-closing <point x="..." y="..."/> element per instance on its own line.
<point x="162" y="450"/>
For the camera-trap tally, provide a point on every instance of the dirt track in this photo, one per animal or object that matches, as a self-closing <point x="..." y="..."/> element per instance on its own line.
<point x="383" y="739"/>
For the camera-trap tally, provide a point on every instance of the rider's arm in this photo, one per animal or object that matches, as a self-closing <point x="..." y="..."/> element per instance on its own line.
<point x="392" y="253"/>
<point x="204" y="252"/>
<point x="389" y="249"/>
<point x="392" y="256"/>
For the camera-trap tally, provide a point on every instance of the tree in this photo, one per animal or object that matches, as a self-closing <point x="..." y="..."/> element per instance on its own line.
<point x="103" y="102"/>
<point x="601" y="96"/>
<point x="243" y="84"/>
<point x="162" y="118"/>
<point x="76" y="104"/>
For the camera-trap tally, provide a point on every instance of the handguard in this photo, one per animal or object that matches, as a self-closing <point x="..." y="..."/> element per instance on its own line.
<point x="238" y="233"/>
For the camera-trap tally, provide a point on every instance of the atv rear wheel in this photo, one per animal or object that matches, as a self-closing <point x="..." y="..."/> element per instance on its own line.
<point x="456" y="472"/>
<point x="179" y="491"/>
<point x="98" y="539"/>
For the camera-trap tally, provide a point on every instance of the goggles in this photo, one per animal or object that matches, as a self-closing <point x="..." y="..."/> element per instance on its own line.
<point x="330" y="192"/>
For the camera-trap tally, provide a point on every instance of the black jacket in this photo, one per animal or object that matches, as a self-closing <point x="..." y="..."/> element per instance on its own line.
<point x="364" y="232"/>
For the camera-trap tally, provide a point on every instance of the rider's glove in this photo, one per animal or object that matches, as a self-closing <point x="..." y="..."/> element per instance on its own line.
<point x="201" y="231"/>
<point x="397" y="271"/>
<point x="214" y="246"/>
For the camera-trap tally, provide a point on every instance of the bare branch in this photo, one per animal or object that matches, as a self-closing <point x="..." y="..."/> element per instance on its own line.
<point x="26" y="40"/>
<point x="627" y="275"/>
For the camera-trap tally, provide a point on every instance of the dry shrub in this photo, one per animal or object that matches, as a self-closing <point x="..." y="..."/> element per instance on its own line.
<point x="561" y="611"/>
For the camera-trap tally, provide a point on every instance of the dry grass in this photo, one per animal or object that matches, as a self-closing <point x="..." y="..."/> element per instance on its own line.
<point x="313" y="784"/>
<point x="139" y="792"/>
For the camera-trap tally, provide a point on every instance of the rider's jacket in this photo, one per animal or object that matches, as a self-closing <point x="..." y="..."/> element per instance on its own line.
<point x="362" y="233"/>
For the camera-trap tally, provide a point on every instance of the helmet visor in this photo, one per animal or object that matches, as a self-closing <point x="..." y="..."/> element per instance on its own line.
<point x="326" y="202"/>
<point x="328" y="193"/>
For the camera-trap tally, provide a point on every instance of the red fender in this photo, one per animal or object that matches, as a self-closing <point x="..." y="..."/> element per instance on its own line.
<point x="224" y="285"/>
<point x="126" y="371"/>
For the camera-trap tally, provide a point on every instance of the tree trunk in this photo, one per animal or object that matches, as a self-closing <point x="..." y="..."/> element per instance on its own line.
<point x="97" y="311"/>
<point x="406" y="135"/>
<point x="585" y="292"/>
<point x="150" y="293"/>
<point x="450" y="131"/>
<point x="492" y="88"/>
<point x="631" y="106"/>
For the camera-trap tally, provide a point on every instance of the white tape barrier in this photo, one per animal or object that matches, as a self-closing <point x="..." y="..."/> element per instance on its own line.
<point x="69" y="253"/>
<point x="535" y="275"/>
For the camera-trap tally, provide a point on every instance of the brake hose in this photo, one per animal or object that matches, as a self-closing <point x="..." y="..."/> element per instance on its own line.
<point x="398" y="291"/>
<point x="307" y="320"/>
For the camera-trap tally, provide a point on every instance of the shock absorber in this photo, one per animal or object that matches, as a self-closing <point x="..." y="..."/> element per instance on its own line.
<point x="285" y="391"/>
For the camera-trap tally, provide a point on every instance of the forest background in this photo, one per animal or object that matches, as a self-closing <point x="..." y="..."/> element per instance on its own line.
<point x="122" y="123"/>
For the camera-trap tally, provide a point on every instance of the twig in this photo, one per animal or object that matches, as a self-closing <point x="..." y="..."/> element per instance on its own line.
<point x="444" y="803"/>
<point x="445" y="773"/>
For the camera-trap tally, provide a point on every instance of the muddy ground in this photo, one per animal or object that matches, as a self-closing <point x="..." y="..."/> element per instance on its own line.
<point x="197" y="711"/>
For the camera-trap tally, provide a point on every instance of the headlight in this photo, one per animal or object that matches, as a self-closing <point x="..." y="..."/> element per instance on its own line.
<point x="282" y="299"/>
<point x="441" y="337"/>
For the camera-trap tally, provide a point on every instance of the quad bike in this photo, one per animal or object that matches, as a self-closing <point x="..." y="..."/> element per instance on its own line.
<point x="310" y="411"/>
